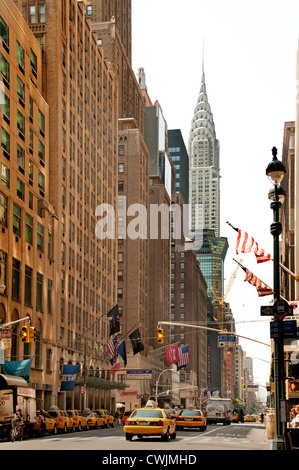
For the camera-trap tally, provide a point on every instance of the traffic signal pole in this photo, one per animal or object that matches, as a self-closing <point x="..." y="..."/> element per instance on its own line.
<point x="209" y="329"/>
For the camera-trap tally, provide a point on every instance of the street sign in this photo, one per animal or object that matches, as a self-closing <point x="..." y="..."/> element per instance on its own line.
<point x="252" y="387"/>
<point x="137" y="374"/>
<point x="289" y="329"/>
<point x="267" y="310"/>
<point x="282" y="309"/>
<point x="226" y="341"/>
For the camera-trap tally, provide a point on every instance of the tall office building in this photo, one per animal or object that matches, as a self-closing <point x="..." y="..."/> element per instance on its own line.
<point x="180" y="159"/>
<point x="204" y="178"/>
<point x="80" y="88"/>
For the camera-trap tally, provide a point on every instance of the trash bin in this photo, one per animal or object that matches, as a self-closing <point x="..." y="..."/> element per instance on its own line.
<point x="270" y="425"/>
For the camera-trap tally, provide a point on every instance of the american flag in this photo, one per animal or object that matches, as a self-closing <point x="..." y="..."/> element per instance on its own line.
<point x="260" y="286"/>
<point x="183" y="357"/>
<point x="246" y="244"/>
<point x="112" y="347"/>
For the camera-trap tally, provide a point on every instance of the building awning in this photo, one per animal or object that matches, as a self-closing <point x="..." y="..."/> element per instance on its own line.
<point x="9" y="380"/>
<point x="104" y="384"/>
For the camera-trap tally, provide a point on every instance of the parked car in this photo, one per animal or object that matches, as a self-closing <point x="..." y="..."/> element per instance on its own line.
<point x="80" y="421"/>
<point x="105" y="416"/>
<point x="44" y="424"/>
<point x="191" y="418"/>
<point x="150" y="422"/>
<point x="94" y="420"/>
<point x="63" y="421"/>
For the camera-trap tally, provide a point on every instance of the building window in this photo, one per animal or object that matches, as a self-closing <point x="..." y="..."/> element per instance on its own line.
<point x="29" y="229"/>
<point x="4" y="31"/>
<point x="3" y="209"/>
<point x="121" y="168"/>
<point x="49" y="296"/>
<point x="21" y="123"/>
<point x="21" y="90"/>
<point x="15" y="293"/>
<point x="20" y="56"/>
<point x="33" y="62"/>
<point x="41" y="180"/>
<point x="49" y="360"/>
<point x="41" y="13"/>
<point x="5" y="142"/>
<point x="41" y="122"/>
<point x="32" y="14"/>
<point x="20" y="189"/>
<point x="5" y="106"/>
<point x="28" y="285"/>
<point x="20" y="156"/>
<point x="5" y="175"/>
<point x="5" y="70"/>
<point x="16" y="220"/>
<point x="3" y="257"/>
<point x="40" y="237"/>
<point x="39" y="291"/>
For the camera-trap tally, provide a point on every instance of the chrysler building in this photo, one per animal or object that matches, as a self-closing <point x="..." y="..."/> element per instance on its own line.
<point x="204" y="178"/>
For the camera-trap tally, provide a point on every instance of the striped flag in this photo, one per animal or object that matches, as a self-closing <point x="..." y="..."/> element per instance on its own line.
<point x="183" y="357"/>
<point x="246" y="244"/>
<point x="112" y="347"/>
<point x="260" y="286"/>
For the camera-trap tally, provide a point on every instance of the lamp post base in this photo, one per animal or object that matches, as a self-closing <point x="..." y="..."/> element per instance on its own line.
<point x="278" y="443"/>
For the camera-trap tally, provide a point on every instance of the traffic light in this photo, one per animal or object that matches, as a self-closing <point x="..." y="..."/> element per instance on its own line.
<point x="25" y="334"/>
<point x="28" y="334"/>
<point x="31" y="334"/>
<point x="160" y="335"/>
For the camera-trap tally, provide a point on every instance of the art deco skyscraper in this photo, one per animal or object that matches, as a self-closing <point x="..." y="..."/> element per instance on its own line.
<point x="204" y="178"/>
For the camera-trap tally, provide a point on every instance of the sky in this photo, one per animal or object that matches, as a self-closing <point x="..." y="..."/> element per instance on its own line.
<point x="250" y="55"/>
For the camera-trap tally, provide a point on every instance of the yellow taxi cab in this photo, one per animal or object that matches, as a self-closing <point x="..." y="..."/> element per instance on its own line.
<point x="44" y="424"/>
<point x="94" y="420"/>
<point x="110" y="419"/>
<point x="249" y="419"/>
<point x="150" y="422"/>
<point x="80" y="421"/>
<point x="126" y="415"/>
<point x="235" y="418"/>
<point x="103" y="414"/>
<point x="191" y="418"/>
<point x="63" y="421"/>
<point x="172" y="412"/>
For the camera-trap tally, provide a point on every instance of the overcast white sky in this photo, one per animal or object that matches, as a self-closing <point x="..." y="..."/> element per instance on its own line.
<point x="250" y="50"/>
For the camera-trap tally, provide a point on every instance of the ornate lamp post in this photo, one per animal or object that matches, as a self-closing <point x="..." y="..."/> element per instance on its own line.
<point x="276" y="171"/>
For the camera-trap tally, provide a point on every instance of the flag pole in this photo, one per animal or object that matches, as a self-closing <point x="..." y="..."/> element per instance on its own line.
<point x="236" y="229"/>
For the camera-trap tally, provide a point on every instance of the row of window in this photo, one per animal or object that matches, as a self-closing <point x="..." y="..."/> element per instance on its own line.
<point x="29" y="225"/>
<point x="28" y="283"/>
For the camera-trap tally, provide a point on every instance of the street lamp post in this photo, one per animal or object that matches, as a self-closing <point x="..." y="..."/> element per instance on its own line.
<point x="276" y="171"/>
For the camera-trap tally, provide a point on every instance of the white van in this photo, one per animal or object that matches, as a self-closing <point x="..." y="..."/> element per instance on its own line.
<point x="217" y="413"/>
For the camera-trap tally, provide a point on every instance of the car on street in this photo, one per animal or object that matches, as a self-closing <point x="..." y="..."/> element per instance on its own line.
<point x="94" y="420"/>
<point x="150" y="422"/>
<point x="235" y="418"/>
<point x="104" y="415"/>
<point x="126" y="415"/>
<point x="44" y="424"/>
<point x="63" y="421"/>
<point x="172" y="412"/>
<point x="191" y="418"/>
<point x="80" y="421"/>
<point x="249" y="419"/>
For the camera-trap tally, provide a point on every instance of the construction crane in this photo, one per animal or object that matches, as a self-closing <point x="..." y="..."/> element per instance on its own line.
<point x="221" y="300"/>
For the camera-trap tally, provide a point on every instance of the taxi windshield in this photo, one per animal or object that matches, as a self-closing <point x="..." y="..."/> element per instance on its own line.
<point x="147" y="414"/>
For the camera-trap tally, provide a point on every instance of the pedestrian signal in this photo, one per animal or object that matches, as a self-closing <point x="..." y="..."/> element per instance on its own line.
<point x="160" y="335"/>
<point x="294" y="386"/>
<point x="25" y="334"/>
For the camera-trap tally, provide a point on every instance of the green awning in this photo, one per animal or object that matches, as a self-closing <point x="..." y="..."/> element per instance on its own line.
<point x="97" y="382"/>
